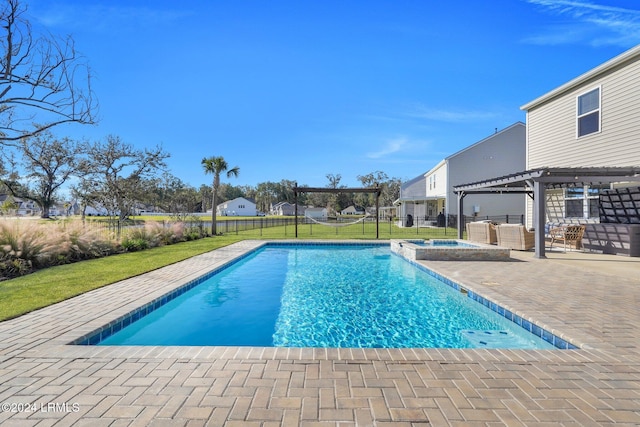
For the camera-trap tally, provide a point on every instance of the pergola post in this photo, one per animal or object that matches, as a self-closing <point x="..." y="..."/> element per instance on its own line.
<point x="460" y="221"/>
<point x="377" y="212"/>
<point x="539" y="217"/>
<point x="295" y="209"/>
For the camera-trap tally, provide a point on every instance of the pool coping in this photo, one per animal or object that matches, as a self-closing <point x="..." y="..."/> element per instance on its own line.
<point x="559" y="340"/>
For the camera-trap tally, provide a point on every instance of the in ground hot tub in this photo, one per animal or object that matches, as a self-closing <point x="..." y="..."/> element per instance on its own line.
<point x="448" y="250"/>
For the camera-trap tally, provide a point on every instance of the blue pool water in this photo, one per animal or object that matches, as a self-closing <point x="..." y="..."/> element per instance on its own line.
<point x="325" y="296"/>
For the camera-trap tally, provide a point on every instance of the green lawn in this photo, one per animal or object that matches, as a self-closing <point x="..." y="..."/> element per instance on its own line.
<point x="48" y="286"/>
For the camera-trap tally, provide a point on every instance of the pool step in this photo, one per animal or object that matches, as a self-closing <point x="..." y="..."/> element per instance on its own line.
<point x="493" y="339"/>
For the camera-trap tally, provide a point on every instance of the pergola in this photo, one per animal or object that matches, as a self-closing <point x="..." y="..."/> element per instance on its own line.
<point x="377" y="190"/>
<point x="534" y="183"/>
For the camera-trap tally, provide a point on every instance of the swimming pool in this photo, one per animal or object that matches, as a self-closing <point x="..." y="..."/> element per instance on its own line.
<point x="325" y="296"/>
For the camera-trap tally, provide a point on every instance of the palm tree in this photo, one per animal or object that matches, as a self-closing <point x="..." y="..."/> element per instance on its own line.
<point x="215" y="166"/>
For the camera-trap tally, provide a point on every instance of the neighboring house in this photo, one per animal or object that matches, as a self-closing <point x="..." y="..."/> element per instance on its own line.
<point x="590" y="121"/>
<point x="352" y="210"/>
<point x="412" y="200"/>
<point x="285" y="209"/>
<point x="436" y="181"/>
<point x="16" y="206"/>
<point x="237" y="207"/>
<point x="428" y="195"/>
<point x="96" y="210"/>
<point x="58" y="209"/>
<point x="316" y="213"/>
<point x="502" y="153"/>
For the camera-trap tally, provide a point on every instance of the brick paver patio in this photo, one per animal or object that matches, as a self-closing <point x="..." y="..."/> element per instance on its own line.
<point x="590" y="299"/>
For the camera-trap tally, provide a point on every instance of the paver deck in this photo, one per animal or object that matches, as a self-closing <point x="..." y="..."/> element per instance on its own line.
<point x="587" y="298"/>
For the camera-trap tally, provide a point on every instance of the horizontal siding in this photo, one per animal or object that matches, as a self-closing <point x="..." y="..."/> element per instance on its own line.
<point x="552" y="126"/>
<point x="416" y="189"/>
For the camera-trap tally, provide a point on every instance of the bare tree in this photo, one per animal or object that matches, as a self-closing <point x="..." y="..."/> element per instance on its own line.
<point x="48" y="162"/>
<point x="116" y="170"/>
<point x="44" y="81"/>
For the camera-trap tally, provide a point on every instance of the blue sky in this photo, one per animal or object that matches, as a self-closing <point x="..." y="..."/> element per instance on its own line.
<point x="299" y="89"/>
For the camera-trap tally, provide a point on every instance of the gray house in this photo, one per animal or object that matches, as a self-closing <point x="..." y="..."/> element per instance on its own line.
<point x="502" y="153"/>
<point x="285" y="209"/>
<point x="582" y="149"/>
<point x="590" y="121"/>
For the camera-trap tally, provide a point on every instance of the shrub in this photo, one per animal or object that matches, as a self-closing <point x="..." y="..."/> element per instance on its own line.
<point x="86" y="243"/>
<point x="21" y="241"/>
<point x="29" y="245"/>
<point x="156" y="234"/>
<point x="14" y="267"/>
<point x="134" y="244"/>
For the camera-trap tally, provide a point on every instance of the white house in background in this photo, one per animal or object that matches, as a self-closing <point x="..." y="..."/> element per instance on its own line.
<point x="237" y="207"/>
<point x="316" y="213"/>
<point x="19" y="207"/>
<point x="95" y="210"/>
<point x="590" y="121"/>
<point x="436" y="182"/>
<point x="352" y="210"/>
<point x="428" y="195"/>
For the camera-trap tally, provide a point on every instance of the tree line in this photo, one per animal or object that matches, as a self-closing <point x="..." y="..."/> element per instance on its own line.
<point x="123" y="179"/>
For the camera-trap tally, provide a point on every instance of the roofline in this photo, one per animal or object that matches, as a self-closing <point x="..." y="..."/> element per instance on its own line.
<point x="629" y="55"/>
<point x="485" y="139"/>
<point x="436" y="167"/>
<point x="413" y="180"/>
<point x="557" y="175"/>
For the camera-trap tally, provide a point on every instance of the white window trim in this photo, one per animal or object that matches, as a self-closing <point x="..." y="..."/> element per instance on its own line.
<point x="599" y="87"/>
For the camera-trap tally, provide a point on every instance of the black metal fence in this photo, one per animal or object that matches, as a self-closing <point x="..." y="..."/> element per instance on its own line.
<point x="340" y="227"/>
<point x="445" y="227"/>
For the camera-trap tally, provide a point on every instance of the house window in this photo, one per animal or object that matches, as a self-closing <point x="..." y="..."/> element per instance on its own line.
<point x="573" y="202"/>
<point x="582" y="202"/>
<point x="589" y="112"/>
<point x="240" y="206"/>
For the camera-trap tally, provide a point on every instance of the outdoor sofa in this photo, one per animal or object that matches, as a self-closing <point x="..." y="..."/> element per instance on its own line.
<point x="482" y="232"/>
<point x="515" y="236"/>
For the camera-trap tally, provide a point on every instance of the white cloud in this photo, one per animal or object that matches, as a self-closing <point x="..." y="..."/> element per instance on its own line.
<point x="102" y="16"/>
<point x="391" y="147"/>
<point x="592" y="23"/>
<point x="452" y="116"/>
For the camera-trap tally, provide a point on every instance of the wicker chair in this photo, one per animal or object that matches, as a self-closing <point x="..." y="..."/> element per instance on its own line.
<point x="515" y="236"/>
<point x="482" y="232"/>
<point x="571" y="234"/>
